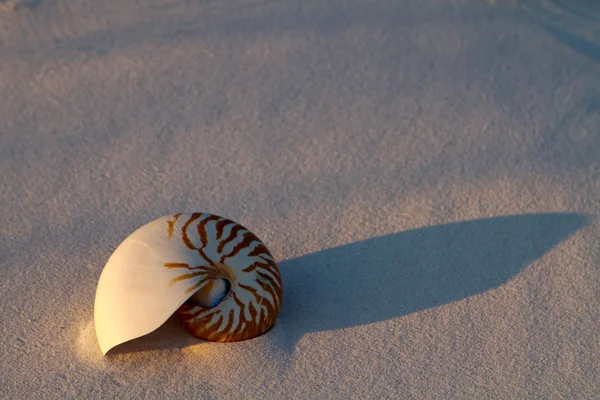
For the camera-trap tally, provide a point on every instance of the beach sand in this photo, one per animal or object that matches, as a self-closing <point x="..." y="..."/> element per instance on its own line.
<point x="426" y="172"/>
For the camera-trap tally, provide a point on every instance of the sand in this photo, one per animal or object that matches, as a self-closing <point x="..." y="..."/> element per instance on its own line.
<point x="427" y="173"/>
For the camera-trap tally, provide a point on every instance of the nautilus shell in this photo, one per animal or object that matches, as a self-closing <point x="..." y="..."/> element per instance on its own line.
<point x="220" y="278"/>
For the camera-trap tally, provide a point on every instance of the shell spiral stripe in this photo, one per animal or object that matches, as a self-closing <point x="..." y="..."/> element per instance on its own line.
<point x="226" y="250"/>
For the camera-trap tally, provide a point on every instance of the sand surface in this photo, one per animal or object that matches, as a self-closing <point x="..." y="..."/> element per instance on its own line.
<point x="427" y="172"/>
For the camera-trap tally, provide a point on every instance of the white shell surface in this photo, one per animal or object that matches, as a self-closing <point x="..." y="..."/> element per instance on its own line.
<point x="134" y="295"/>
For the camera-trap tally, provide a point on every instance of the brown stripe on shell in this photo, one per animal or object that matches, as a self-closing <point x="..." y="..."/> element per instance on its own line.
<point x="177" y="265"/>
<point x="197" y="285"/>
<point x="172" y="224"/>
<point x="253" y="291"/>
<point x="184" y="234"/>
<point x="230" y="322"/>
<point x="268" y="289"/>
<point x="186" y="239"/>
<point x="247" y="239"/>
<point x="259" y="250"/>
<point x="220" y="226"/>
<point x="188" y="313"/>
<point x="211" y="329"/>
<point x="273" y="269"/>
<point x="252" y="311"/>
<point x="187" y="266"/>
<point x="202" y="228"/>
<point x="187" y="276"/>
<point x="232" y="235"/>
<point x="269" y="279"/>
<point x="253" y="267"/>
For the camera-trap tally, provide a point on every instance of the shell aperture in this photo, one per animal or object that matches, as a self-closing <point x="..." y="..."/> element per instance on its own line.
<point x="219" y="277"/>
<point x="212" y="293"/>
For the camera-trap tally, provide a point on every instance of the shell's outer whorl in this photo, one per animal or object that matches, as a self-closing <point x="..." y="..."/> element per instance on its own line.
<point x="232" y="252"/>
<point x="161" y="265"/>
